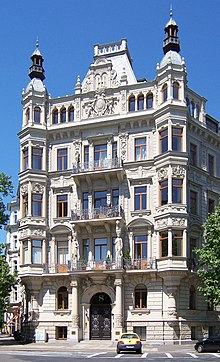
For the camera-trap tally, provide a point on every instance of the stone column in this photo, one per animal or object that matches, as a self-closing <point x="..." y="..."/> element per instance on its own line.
<point x="75" y="312"/>
<point x="118" y="307"/>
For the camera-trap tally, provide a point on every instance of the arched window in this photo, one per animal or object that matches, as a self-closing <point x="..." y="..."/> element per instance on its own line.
<point x="192" y="297"/>
<point x="62" y="298"/>
<point x="149" y="100"/>
<point x="63" y="115"/>
<point x="27" y="115"/>
<point x="37" y="112"/>
<point x="197" y="111"/>
<point x="131" y="104"/>
<point x="164" y="93"/>
<point x="55" y="116"/>
<point x="140" y="102"/>
<point x="187" y="102"/>
<point x="192" y="109"/>
<point x="140" y="296"/>
<point x="176" y="90"/>
<point x="71" y="114"/>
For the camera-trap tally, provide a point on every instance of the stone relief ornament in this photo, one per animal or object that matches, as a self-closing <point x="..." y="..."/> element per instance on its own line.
<point x="24" y="190"/>
<point x="100" y="106"/>
<point x="38" y="188"/>
<point x="178" y="171"/>
<point x="162" y="223"/>
<point x="123" y="145"/>
<point x="162" y="173"/>
<point x="178" y="221"/>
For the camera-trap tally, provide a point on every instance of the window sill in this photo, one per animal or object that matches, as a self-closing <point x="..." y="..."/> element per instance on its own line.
<point x="62" y="312"/>
<point x="140" y="311"/>
<point x="140" y="212"/>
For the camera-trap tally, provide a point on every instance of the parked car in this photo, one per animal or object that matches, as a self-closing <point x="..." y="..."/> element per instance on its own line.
<point x="129" y="342"/>
<point x="211" y="344"/>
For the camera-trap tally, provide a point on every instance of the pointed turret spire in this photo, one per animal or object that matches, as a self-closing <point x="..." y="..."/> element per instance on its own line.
<point x="172" y="41"/>
<point x="36" y="69"/>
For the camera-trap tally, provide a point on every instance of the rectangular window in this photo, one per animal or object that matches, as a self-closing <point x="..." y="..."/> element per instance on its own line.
<point x="15" y="217"/>
<point x="115" y="197"/>
<point x="37" y="204"/>
<point x="25" y="159"/>
<point x="177" y="243"/>
<point x="86" y="248"/>
<point x="114" y="150"/>
<point x="25" y="252"/>
<point x="163" y="140"/>
<point x="100" y="199"/>
<point x="62" y="159"/>
<point x="62" y="205"/>
<point x="177" y="139"/>
<point x="86" y="154"/>
<point x="36" y="251"/>
<point x="211" y="165"/>
<point x="140" y="247"/>
<point x="62" y="252"/>
<point x="193" y="154"/>
<point x="100" y="249"/>
<point x="163" y="192"/>
<point x="140" y="198"/>
<point x="164" y="243"/>
<point x="211" y="206"/>
<point x="193" y="202"/>
<point x="100" y="155"/>
<point x="177" y="185"/>
<point x="140" y="149"/>
<point x="37" y="154"/>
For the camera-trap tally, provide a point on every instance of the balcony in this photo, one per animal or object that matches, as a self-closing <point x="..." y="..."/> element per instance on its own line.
<point x="92" y="265"/>
<point x="103" y="212"/>
<point x="89" y="170"/>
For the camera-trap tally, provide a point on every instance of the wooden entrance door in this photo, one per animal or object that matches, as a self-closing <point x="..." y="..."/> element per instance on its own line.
<point x="100" y="317"/>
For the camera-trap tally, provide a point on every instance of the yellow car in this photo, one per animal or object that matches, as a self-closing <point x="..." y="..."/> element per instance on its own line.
<point x="129" y="342"/>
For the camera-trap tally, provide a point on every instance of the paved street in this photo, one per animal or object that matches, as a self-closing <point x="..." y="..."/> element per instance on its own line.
<point x="34" y="356"/>
<point x="100" y="351"/>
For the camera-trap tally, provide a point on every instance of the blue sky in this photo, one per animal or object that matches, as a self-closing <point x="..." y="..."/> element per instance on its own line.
<point x="67" y="31"/>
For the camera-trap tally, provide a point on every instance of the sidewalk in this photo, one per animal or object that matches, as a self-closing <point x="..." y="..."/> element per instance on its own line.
<point x="9" y="344"/>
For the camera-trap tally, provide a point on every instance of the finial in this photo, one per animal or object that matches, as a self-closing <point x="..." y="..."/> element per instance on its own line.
<point x="171" y="11"/>
<point x="37" y="43"/>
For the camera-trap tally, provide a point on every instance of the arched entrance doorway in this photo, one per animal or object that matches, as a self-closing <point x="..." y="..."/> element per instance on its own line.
<point x="100" y="316"/>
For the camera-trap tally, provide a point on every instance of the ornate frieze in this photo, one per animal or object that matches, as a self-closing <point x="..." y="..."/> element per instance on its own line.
<point x="101" y="105"/>
<point x="162" y="174"/>
<point x="178" y="171"/>
<point x="24" y="190"/>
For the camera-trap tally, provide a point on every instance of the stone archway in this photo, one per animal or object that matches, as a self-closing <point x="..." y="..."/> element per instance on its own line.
<point x="100" y="316"/>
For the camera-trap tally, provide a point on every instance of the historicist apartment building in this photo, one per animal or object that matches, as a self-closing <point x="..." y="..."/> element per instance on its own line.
<point x="115" y="183"/>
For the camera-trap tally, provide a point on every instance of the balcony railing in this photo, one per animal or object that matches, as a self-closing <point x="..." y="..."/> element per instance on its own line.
<point x="97" y="213"/>
<point x="97" y="165"/>
<point x="82" y="265"/>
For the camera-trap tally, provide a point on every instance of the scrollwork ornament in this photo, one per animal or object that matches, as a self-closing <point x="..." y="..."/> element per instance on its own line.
<point x="24" y="190"/>
<point x="162" y="173"/>
<point x="178" y="171"/>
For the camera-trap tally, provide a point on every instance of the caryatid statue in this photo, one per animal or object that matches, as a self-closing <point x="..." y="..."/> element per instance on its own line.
<point x="118" y="242"/>
<point x="75" y="246"/>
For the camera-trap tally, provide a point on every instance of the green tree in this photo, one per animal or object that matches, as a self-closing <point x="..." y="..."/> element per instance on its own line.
<point x="7" y="280"/>
<point x="209" y="259"/>
<point x="6" y="189"/>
